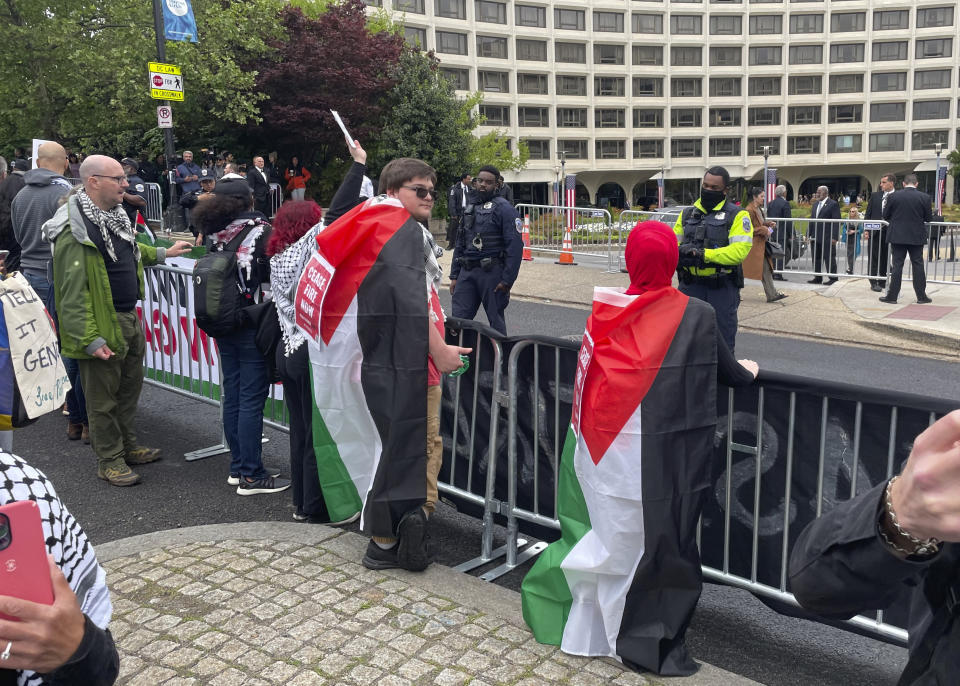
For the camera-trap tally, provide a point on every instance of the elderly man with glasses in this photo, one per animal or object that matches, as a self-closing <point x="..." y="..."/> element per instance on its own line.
<point x="98" y="278"/>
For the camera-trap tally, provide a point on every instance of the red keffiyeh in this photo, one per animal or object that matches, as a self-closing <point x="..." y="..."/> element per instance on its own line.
<point x="651" y="256"/>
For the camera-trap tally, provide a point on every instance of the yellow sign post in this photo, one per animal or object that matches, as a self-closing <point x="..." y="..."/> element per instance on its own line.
<point x="166" y="81"/>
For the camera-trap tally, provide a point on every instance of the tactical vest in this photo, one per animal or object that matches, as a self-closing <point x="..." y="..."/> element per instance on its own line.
<point x="478" y="219"/>
<point x="708" y="230"/>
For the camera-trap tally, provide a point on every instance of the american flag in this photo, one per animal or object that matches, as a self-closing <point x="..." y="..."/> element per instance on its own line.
<point x="941" y="187"/>
<point x="556" y="193"/>
<point x="660" y="191"/>
<point x="771" y="185"/>
<point x="570" y="192"/>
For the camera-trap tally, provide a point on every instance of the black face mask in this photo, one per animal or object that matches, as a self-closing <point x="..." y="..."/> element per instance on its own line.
<point x="710" y="199"/>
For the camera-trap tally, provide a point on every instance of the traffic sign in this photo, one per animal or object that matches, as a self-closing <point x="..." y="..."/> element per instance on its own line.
<point x="164" y="117"/>
<point x="166" y="81"/>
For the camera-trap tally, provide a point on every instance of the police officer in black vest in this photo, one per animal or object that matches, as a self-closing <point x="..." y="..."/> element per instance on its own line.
<point x="135" y="196"/>
<point x="714" y="236"/>
<point x="487" y="255"/>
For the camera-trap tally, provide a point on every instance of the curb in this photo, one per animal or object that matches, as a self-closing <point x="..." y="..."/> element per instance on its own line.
<point x="950" y="343"/>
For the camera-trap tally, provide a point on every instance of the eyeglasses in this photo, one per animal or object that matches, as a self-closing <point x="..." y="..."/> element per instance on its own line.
<point x="422" y="192"/>
<point x="120" y="180"/>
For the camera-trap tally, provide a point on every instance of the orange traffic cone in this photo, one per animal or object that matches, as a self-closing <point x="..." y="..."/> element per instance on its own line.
<point x="566" y="255"/>
<point x="527" y="255"/>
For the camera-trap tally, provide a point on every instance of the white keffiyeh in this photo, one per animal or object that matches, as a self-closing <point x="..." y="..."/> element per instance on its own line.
<point x="111" y="223"/>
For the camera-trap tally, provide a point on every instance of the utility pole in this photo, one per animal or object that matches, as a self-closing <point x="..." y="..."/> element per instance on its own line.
<point x="173" y="218"/>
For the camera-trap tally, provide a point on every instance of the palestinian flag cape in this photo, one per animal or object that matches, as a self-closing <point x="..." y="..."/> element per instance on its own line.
<point x="624" y="579"/>
<point x="368" y="360"/>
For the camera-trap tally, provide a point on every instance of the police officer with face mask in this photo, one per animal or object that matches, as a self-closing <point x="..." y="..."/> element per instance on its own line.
<point x="487" y="255"/>
<point x="714" y="236"/>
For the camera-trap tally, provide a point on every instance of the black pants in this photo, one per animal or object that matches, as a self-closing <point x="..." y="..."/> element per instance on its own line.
<point x="295" y="374"/>
<point x="878" y="256"/>
<point x="824" y="251"/>
<point x="900" y="251"/>
<point x="453" y="225"/>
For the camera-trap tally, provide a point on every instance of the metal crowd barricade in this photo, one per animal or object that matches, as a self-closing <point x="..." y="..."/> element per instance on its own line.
<point x="276" y="199"/>
<point x="154" y="204"/>
<point x="591" y="231"/>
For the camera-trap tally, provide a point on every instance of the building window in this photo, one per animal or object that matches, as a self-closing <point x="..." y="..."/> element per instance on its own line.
<point x="532" y="50"/>
<point x="609" y="86"/>
<point x="888" y="20"/>
<point x="886" y="142"/>
<point x="373" y="3"/>
<point x="846" y="53"/>
<point x="804" y="85"/>
<point x="460" y="78"/>
<point x="494" y="81"/>
<point x="756" y="145"/>
<point x="841" y="22"/>
<point x="574" y="53"/>
<point x="685" y="25"/>
<point x="686" y="56"/>
<point x="765" y="2"/>
<point x="609" y="119"/>
<point x="415" y="37"/>
<point x="686" y="88"/>
<point x="573" y="149"/>
<point x="648" y="55"/>
<point x="765" y="85"/>
<point x="686" y="147"/>
<point x="888" y="81"/>
<point x="686" y="117"/>
<point x="724" y="116"/>
<point x="532" y="84"/>
<point x="451" y="43"/>
<point x="765" y="55"/>
<point x="806" y="54"/>
<point x="645" y="86"/>
<point x="725" y="87"/>
<point x="529" y="15"/>
<point x="803" y="145"/>
<point x="847" y="142"/>
<point x="931" y="78"/>
<point x="892" y="50"/>
<point x="572" y="117"/>
<point x="846" y="83"/>
<point x="647" y="23"/>
<point x="725" y="25"/>
<point x="492" y="46"/>
<point x="533" y="116"/>
<point x="608" y="22"/>
<point x="928" y="140"/>
<point x="726" y="57"/>
<point x="806" y="23"/>
<point x="571" y="85"/>
<point x="763" y="116"/>
<point x="645" y="148"/>
<point x="845" y="114"/>
<point x="491" y="12"/>
<point x="611" y="150"/>
<point x="647" y="118"/>
<point x="765" y="24"/>
<point x="495" y="115"/>
<point x="450" y="9"/>
<point x="607" y="54"/>
<point x="415" y="6"/>
<point x="805" y="114"/>
<point x="928" y="17"/>
<point x="570" y="20"/>
<point x="931" y="109"/>
<point x="724" y="147"/>
<point x="933" y="47"/>
<point x="539" y="149"/>
<point x="888" y="111"/>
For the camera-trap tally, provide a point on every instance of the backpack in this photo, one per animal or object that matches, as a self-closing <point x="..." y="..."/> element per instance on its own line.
<point x="219" y="296"/>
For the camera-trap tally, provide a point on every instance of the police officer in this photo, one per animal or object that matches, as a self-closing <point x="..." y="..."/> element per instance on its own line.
<point x="135" y="195"/>
<point x="456" y="203"/>
<point x="207" y="183"/>
<point x="487" y="255"/>
<point x="714" y="236"/>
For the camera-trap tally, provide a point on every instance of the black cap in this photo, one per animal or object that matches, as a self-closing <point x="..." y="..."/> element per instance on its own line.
<point x="205" y="175"/>
<point x="238" y="188"/>
<point x="21" y="165"/>
<point x="130" y="162"/>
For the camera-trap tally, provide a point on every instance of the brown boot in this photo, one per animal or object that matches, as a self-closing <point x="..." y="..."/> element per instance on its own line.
<point x="117" y="473"/>
<point x="142" y="455"/>
<point x="74" y="431"/>
<point x="85" y="434"/>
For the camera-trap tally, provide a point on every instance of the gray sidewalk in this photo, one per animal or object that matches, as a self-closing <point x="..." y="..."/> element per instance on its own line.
<point x="268" y="603"/>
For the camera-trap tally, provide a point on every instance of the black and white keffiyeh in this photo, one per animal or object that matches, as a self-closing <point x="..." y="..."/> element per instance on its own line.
<point x="111" y="223"/>
<point x="65" y="540"/>
<point x="286" y="269"/>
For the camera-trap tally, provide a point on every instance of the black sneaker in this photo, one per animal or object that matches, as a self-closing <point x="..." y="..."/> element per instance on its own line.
<point x="412" y="550"/>
<point x="378" y="558"/>
<point x="268" y="484"/>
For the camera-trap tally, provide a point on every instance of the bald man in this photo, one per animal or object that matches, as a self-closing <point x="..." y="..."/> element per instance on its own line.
<point x="98" y="278"/>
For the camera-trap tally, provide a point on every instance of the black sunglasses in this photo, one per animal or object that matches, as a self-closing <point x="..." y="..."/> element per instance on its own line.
<point x="422" y="192"/>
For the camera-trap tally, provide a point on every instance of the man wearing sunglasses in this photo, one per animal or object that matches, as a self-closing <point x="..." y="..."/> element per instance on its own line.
<point x="487" y="255"/>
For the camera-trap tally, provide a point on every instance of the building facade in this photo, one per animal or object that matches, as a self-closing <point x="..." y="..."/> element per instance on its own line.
<point x="838" y="91"/>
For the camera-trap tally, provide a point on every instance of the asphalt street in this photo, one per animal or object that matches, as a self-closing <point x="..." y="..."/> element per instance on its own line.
<point x="731" y="629"/>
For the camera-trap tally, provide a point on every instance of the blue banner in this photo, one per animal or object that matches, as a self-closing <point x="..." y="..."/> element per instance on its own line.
<point x="178" y="21"/>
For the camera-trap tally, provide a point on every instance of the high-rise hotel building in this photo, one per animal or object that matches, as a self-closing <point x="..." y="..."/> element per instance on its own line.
<point x="837" y="90"/>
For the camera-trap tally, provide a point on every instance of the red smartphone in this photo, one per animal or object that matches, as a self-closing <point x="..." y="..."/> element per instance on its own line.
<point x="24" y="572"/>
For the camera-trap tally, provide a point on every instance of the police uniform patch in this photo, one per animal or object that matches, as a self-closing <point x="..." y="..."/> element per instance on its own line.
<point x="487" y="205"/>
<point x="746" y="224"/>
<point x="139" y="188"/>
<point x="519" y="223"/>
<point x="721" y="215"/>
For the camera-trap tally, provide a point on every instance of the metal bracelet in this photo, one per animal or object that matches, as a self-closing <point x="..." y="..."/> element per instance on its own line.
<point x="922" y="547"/>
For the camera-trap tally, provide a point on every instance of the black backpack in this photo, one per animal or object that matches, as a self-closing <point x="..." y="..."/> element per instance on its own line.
<point x="219" y="296"/>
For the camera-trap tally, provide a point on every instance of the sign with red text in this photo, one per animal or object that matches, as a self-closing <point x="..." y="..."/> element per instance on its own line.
<point x="311" y="290"/>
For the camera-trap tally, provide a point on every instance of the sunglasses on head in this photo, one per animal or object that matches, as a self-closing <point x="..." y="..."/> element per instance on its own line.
<point x="422" y="192"/>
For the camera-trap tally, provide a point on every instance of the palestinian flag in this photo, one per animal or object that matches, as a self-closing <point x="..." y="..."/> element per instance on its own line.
<point x="624" y="579"/>
<point x="368" y="355"/>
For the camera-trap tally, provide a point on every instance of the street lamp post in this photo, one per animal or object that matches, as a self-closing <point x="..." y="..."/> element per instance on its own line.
<point x="936" y="181"/>
<point x="766" y="154"/>
<point x="561" y="195"/>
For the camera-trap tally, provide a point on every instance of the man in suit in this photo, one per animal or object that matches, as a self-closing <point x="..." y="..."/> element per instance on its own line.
<point x="907" y="213"/>
<point x="779" y="209"/>
<point x="260" y="185"/>
<point x="824" y="235"/>
<point x="456" y="204"/>
<point x="877" y="238"/>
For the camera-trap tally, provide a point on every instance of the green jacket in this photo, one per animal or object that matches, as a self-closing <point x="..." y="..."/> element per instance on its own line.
<point x="82" y="288"/>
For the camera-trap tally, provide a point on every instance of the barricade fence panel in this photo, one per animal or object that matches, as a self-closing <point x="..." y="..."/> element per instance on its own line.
<point x="154" y="212"/>
<point x="276" y="199"/>
<point x="590" y="231"/>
